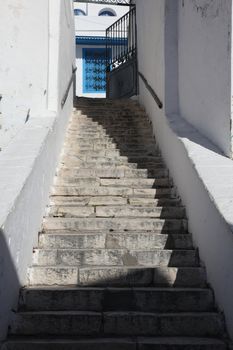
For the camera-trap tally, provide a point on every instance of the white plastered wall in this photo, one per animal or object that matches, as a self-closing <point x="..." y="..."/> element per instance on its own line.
<point x="205" y="68"/>
<point x="28" y="163"/>
<point x="202" y="174"/>
<point x="23" y="62"/>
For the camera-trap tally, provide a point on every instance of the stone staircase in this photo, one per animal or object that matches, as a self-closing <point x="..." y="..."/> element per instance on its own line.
<point x="115" y="267"/>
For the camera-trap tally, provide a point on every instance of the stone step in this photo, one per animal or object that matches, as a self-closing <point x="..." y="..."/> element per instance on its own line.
<point x="117" y="212"/>
<point x="107" y="121"/>
<point x="79" y="182"/>
<point x="133" y="211"/>
<point x="187" y="277"/>
<point x="97" y="131"/>
<point x="87" y="125"/>
<point x="74" y="163"/>
<point x="91" y="200"/>
<point x="79" y="147"/>
<point x="110" y="153"/>
<point x="112" y="191"/>
<point x="115" y="224"/>
<point x="137" y="183"/>
<point x="114" y="159"/>
<point x="125" y="299"/>
<point x="115" y="257"/>
<point x="111" y="140"/>
<point x="123" y="147"/>
<point x="71" y="162"/>
<point x="112" y="200"/>
<point x="162" y="202"/>
<point x="115" y="114"/>
<point x="124" y="182"/>
<point x="97" y="161"/>
<point x="79" y="323"/>
<point x="158" y="343"/>
<point x="112" y="240"/>
<point x="116" y="172"/>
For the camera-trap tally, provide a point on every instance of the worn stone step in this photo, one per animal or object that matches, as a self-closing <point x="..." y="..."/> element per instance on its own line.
<point x="115" y="224"/>
<point x="56" y="323"/>
<point x="79" y="182"/>
<point x="96" y="159"/>
<point x="112" y="191"/>
<point x="112" y="200"/>
<point x="80" y="147"/>
<point x="125" y="299"/>
<point x="111" y="153"/>
<point x="162" y="202"/>
<point x="90" y="200"/>
<point x="133" y="211"/>
<point x="100" y="131"/>
<point x="70" y="161"/>
<point x="109" y="125"/>
<point x="187" y="277"/>
<point x="168" y="343"/>
<point x="124" y="182"/>
<point x="117" y="212"/>
<point x="116" y="172"/>
<point x="72" y="211"/>
<point x="115" y="257"/>
<point x="74" y="163"/>
<point x="114" y="114"/>
<point x="78" y="323"/>
<point x="113" y="240"/>
<point x="144" y="137"/>
<point x="137" y="183"/>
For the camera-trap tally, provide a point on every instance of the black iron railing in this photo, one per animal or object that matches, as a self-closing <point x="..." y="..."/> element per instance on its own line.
<point x="70" y="83"/>
<point x="152" y="92"/>
<point x="121" y="41"/>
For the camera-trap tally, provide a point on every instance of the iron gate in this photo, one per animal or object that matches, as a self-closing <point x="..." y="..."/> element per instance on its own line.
<point x="121" y="57"/>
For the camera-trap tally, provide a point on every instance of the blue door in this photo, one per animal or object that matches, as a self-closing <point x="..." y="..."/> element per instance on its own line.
<point x="94" y="70"/>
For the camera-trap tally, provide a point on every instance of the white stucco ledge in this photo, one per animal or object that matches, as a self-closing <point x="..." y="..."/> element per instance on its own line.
<point x="18" y="159"/>
<point x="213" y="168"/>
<point x="27" y="168"/>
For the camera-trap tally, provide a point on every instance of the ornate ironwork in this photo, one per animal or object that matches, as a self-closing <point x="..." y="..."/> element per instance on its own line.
<point x="94" y="75"/>
<point x="108" y="2"/>
<point x="121" y="65"/>
<point x="121" y="41"/>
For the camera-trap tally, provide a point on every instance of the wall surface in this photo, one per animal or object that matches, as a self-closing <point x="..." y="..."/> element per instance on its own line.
<point x="28" y="163"/>
<point x="205" y="68"/>
<point x="23" y="73"/>
<point x="202" y="174"/>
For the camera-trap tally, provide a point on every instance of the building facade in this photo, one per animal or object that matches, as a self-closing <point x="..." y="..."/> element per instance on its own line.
<point x="91" y="22"/>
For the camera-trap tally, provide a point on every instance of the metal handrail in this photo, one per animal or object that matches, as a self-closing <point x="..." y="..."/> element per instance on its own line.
<point x="152" y="92"/>
<point x="63" y="101"/>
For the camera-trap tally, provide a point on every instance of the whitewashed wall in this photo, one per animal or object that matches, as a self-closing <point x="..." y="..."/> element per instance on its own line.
<point x="23" y="61"/>
<point x="28" y="163"/>
<point x="201" y="173"/>
<point x="93" y="10"/>
<point x="205" y="68"/>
